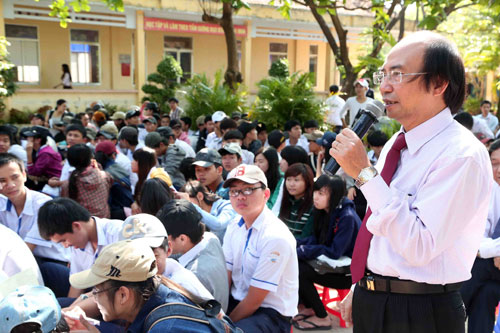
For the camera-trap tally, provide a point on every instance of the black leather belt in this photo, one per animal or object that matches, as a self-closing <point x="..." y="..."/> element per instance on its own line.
<point x="393" y="285"/>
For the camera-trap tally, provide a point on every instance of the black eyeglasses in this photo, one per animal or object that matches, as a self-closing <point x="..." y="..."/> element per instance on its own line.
<point x="96" y="292"/>
<point x="246" y="191"/>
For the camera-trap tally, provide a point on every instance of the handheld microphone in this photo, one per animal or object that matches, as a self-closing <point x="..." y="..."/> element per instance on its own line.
<point x="366" y="119"/>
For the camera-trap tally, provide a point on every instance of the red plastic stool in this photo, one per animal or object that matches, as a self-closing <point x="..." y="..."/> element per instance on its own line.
<point x="327" y="299"/>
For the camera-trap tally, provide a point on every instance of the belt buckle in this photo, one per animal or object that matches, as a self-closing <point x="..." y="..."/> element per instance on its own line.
<point x="370" y="283"/>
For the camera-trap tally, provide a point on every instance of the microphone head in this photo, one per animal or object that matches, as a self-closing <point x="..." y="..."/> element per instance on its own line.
<point x="377" y="107"/>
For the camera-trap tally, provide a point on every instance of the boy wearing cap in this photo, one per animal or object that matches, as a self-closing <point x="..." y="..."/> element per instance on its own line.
<point x="208" y="169"/>
<point x="277" y="140"/>
<point x="132" y="117"/>
<point x="118" y="119"/>
<point x="231" y="156"/>
<point x="200" y="252"/>
<point x="152" y="231"/>
<point x="261" y="257"/>
<point x="314" y="148"/>
<point x="125" y="287"/>
<point x="235" y="136"/>
<point x="355" y="103"/>
<point x="214" y="139"/>
<point x="63" y="220"/>
<point x="7" y="133"/>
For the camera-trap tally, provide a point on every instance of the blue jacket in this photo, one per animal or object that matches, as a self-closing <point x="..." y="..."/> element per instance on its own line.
<point x="162" y="296"/>
<point x="342" y="232"/>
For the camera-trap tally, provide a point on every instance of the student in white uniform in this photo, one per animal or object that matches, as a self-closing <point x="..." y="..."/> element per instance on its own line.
<point x="63" y="220"/>
<point x="261" y="258"/>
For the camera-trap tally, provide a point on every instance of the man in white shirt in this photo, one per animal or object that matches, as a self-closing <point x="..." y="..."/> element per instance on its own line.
<point x="418" y="241"/>
<point x="491" y="120"/>
<point x="214" y="139"/>
<point x="200" y="252"/>
<point x="65" y="221"/>
<point x="261" y="257"/>
<point x="335" y="104"/>
<point x="481" y="126"/>
<point x="482" y="292"/>
<point x="355" y="103"/>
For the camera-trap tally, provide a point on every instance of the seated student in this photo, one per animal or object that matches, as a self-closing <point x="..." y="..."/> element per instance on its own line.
<point x="31" y="309"/>
<point x="128" y="140"/>
<point x="124" y="286"/>
<point x="311" y="126"/>
<point x="87" y="185"/>
<point x="208" y="169"/>
<point x="8" y="144"/>
<point x="216" y="212"/>
<point x="45" y="163"/>
<point x="19" y="211"/>
<point x="267" y="160"/>
<point x="230" y="156"/>
<point x="200" y="251"/>
<point x="148" y="228"/>
<point x="154" y="195"/>
<point x="63" y="220"/>
<point x="295" y="137"/>
<point x="297" y="203"/>
<point x="264" y="292"/>
<point x="262" y="134"/>
<point x="277" y="140"/>
<point x="181" y="138"/>
<point x="249" y="132"/>
<point x="314" y="149"/>
<point x="336" y="226"/>
<point x="482" y="292"/>
<point x="235" y="136"/>
<point x="120" y="193"/>
<point x="15" y="256"/>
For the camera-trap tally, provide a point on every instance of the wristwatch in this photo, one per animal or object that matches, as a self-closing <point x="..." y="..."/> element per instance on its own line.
<point x="365" y="175"/>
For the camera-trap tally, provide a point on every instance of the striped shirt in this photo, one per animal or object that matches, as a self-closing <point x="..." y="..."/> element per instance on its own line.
<point x="300" y="227"/>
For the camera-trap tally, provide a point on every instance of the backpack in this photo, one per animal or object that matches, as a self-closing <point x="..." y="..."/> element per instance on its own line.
<point x="205" y="314"/>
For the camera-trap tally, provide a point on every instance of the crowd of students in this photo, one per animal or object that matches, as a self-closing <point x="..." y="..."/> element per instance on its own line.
<point x="117" y="215"/>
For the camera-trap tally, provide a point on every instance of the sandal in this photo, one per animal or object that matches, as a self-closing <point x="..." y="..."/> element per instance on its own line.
<point x="314" y="327"/>
<point x="300" y="317"/>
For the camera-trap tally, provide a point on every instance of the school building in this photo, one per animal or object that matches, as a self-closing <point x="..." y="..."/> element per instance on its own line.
<point x="111" y="53"/>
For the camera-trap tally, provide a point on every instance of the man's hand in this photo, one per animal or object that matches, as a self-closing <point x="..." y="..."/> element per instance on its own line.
<point x="181" y="195"/>
<point x="136" y="209"/>
<point x="346" y="309"/>
<point x="54" y="182"/>
<point x="496" y="261"/>
<point x="349" y="152"/>
<point x="29" y="145"/>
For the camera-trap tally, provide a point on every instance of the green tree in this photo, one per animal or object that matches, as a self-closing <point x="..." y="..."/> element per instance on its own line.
<point x="387" y="14"/>
<point x="162" y="85"/>
<point x="205" y="97"/>
<point x="283" y="98"/>
<point x="7" y="74"/>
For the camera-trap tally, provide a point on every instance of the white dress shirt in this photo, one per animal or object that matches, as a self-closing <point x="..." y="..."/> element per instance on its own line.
<point x="481" y="126"/>
<point x="184" y="277"/>
<point x="353" y="106"/>
<point x="302" y="142"/>
<point x="108" y="232"/>
<point x="15" y="256"/>
<point x="335" y="104"/>
<point x="491" y="121"/>
<point x="26" y="225"/>
<point x="186" y="147"/>
<point x="213" y="141"/>
<point x="264" y="257"/>
<point x="428" y="224"/>
<point x="490" y="247"/>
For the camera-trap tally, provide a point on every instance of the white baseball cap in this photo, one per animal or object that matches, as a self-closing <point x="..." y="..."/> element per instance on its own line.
<point x="146" y="227"/>
<point x="247" y="173"/>
<point x="218" y="116"/>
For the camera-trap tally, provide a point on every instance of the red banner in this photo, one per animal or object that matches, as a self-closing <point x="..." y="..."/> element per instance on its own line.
<point x="158" y="24"/>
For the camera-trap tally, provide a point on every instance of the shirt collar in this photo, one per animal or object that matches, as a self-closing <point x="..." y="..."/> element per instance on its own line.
<point x="101" y="235"/>
<point x="187" y="257"/>
<point x="258" y="221"/>
<point x="28" y="205"/>
<point x="426" y="131"/>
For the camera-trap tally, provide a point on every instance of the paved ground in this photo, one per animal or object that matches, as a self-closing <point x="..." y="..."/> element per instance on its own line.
<point x="335" y="327"/>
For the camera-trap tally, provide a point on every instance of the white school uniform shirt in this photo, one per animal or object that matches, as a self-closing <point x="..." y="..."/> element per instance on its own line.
<point x="303" y="142"/>
<point x="490" y="247"/>
<point x="335" y="104"/>
<point x="66" y="170"/>
<point x="213" y="141"/>
<point x="108" y="232"/>
<point x="15" y="256"/>
<point x="428" y="224"/>
<point x="490" y="119"/>
<point x="26" y="225"/>
<point x="353" y="106"/>
<point x="186" y="147"/>
<point x="184" y="277"/>
<point x="264" y="256"/>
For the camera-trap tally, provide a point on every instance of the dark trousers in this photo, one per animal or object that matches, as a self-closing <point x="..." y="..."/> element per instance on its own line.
<point x="381" y="312"/>
<point x="264" y="320"/>
<point x="307" y="292"/>
<point x="481" y="295"/>
<point x="55" y="275"/>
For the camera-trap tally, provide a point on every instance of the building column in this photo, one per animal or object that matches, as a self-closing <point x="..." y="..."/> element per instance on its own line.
<point x="247" y="65"/>
<point x="140" y="51"/>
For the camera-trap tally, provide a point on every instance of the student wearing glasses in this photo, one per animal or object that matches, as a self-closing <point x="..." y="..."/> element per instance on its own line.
<point x="261" y="259"/>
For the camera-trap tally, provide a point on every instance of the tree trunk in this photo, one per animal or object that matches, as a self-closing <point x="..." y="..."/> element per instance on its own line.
<point x="233" y="75"/>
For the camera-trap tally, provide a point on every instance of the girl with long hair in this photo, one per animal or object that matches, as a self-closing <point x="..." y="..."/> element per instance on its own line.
<point x="267" y="160"/>
<point x="335" y="228"/>
<point x="88" y="185"/>
<point x="296" y="206"/>
<point x="66" y="79"/>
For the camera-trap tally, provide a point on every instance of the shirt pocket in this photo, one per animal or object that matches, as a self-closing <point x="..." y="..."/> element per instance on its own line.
<point x="251" y="257"/>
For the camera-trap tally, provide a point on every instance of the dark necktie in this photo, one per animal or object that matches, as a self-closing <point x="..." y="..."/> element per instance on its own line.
<point x="360" y="253"/>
